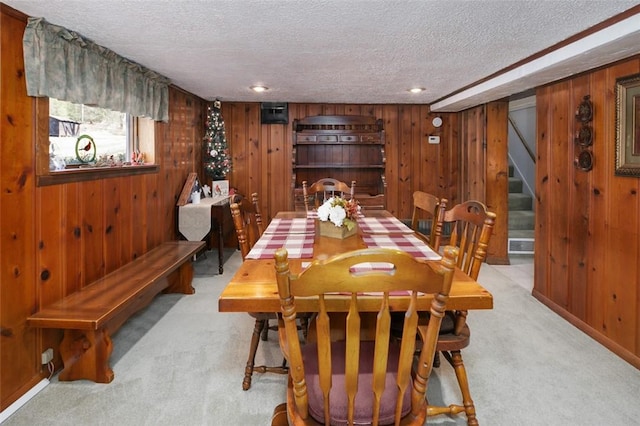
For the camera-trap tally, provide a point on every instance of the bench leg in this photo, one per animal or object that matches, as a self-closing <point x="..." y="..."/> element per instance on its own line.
<point x="180" y="281"/>
<point x="86" y="354"/>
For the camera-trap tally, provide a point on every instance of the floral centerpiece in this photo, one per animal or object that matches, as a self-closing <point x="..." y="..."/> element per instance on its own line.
<point x="339" y="214"/>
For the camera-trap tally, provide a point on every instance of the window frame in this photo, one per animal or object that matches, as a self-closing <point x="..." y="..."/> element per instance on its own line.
<point x="45" y="177"/>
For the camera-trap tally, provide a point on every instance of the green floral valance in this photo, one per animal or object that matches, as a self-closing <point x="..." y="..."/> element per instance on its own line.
<point x="62" y="64"/>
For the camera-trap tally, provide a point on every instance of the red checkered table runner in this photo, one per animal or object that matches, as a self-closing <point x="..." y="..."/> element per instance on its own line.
<point x="299" y="246"/>
<point x="405" y="242"/>
<point x="291" y="226"/>
<point x="383" y="225"/>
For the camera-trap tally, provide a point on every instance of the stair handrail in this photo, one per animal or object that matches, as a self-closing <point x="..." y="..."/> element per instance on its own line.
<point x="522" y="140"/>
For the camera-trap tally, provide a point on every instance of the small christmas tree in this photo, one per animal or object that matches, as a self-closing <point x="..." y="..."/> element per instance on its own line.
<point x="217" y="162"/>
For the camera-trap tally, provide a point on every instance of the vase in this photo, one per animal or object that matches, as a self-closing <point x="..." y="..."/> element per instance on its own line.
<point x="328" y="229"/>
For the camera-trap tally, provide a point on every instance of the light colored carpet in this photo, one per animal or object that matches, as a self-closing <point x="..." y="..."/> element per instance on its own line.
<point x="181" y="362"/>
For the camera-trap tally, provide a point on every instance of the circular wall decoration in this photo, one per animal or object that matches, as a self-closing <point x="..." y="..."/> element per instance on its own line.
<point x="585" y="110"/>
<point x="85" y="149"/>
<point x="437" y="122"/>
<point x="585" y="136"/>
<point x="584" y="161"/>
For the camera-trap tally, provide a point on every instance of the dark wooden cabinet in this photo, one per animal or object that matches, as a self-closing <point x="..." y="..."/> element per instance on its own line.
<point x="346" y="148"/>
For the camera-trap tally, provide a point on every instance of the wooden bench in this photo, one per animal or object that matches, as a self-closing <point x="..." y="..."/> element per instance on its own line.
<point x="90" y="316"/>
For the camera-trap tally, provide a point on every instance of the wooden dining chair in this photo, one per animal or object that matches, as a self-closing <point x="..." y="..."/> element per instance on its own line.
<point x="247" y="221"/>
<point x="365" y="378"/>
<point x="431" y="208"/>
<point x="471" y="227"/>
<point x="323" y="189"/>
<point x="248" y="225"/>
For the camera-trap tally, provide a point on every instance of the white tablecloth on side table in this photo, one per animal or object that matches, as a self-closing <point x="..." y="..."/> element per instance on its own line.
<point x="194" y="220"/>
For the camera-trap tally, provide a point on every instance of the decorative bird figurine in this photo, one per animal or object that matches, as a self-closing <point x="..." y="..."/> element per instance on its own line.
<point x="87" y="147"/>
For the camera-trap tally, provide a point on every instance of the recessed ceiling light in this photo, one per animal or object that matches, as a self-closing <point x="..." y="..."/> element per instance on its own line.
<point x="259" y="89"/>
<point x="417" y="89"/>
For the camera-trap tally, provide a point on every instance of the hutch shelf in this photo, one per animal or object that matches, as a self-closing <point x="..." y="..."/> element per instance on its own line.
<point x="343" y="147"/>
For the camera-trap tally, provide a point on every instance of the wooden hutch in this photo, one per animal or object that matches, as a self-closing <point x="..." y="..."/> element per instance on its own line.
<point x="342" y="147"/>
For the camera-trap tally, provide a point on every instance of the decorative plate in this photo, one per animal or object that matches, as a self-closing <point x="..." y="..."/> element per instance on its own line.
<point x="584" y="161"/>
<point x="585" y="136"/>
<point x="585" y="110"/>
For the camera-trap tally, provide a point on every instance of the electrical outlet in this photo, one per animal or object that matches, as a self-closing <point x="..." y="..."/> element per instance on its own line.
<point x="47" y="356"/>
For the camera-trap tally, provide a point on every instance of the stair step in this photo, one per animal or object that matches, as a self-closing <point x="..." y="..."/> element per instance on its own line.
<point x="515" y="184"/>
<point x="521" y="246"/>
<point x="521" y="242"/>
<point x="521" y="219"/>
<point x="520" y="201"/>
<point x="521" y="233"/>
<point x="521" y="239"/>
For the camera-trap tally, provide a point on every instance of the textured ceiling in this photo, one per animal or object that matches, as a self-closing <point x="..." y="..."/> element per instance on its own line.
<point x="344" y="51"/>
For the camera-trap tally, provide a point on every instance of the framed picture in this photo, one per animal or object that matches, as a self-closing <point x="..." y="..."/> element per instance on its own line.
<point x="628" y="126"/>
<point x="219" y="187"/>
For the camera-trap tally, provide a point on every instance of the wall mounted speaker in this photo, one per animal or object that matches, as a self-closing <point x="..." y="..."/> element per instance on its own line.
<point x="274" y="113"/>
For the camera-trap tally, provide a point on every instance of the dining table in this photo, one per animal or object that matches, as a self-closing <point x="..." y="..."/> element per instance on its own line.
<point x="253" y="286"/>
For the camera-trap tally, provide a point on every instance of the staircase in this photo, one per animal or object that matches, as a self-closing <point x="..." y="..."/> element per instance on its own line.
<point x="521" y="218"/>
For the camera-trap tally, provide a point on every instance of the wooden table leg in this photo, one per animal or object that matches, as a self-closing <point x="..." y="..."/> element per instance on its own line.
<point x="220" y="247"/>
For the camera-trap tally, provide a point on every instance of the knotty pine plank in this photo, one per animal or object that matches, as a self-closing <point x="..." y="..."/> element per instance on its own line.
<point x="390" y="117"/>
<point x="496" y="178"/>
<point x="579" y="196"/>
<point x="92" y="208"/>
<point x="562" y="125"/>
<point x="598" y="193"/>
<point x="112" y="227"/>
<point x="138" y="217"/>
<point x="542" y="200"/>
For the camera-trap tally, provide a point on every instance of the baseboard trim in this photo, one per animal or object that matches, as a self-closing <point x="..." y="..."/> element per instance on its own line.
<point x="605" y="341"/>
<point x="7" y="412"/>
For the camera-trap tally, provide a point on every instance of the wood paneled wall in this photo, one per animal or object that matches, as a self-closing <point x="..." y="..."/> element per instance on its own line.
<point x="19" y="367"/>
<point x="484" y="168"/>
<point x="473" y="158"/>
<point x="55" y="239"/>
<point x="587" y="254"/>
<point x="262" y="154"/>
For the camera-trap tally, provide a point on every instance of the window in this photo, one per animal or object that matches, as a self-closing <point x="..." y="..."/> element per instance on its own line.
<point x="82" y="143"/>
<point x="86" y="136"/>
<point x="61" y="64"/>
